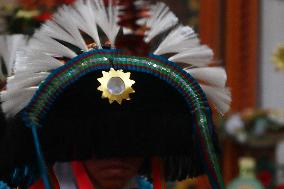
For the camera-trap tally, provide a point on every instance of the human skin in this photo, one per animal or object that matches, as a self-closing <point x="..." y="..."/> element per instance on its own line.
<point x="112" y="173"/>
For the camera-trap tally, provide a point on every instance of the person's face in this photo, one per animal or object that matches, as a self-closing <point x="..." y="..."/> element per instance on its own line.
<point x="113" y="173"/>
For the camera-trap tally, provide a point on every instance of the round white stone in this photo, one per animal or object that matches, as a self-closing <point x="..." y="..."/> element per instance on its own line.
<point x="116" y="86"/>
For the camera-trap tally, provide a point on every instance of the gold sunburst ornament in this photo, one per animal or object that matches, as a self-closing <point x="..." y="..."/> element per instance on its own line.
<point x="116" y="85"/>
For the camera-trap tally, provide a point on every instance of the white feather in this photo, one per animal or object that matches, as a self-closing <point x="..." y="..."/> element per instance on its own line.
<point x="180" y="39"/>
<point x="221" y="97"/>
<point x="64" y="19"/>
<point x="15" y="93"/>
<point x="13" y="102"/>
<point x="161" y="19"/>
<point x="34" y="61"/>
<point x="24" y="81"/>
<point x="52" y="30"/>
<point x="198" y="56"/>
<point x="215" y="76"/>
<point x="85" y="19"/>
<point x="106" y="18"/>
<point x="9" y="45"/>
<point x="51" y="47"/>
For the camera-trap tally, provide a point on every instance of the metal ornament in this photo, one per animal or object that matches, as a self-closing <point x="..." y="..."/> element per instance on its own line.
<point x="116" y="85"/>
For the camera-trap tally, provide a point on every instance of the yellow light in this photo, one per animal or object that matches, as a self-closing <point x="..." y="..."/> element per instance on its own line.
<point x="278" y="58"/>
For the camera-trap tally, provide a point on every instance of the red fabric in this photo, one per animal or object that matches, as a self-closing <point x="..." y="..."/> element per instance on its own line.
<point x="37" y="185"/>
<point x="157" y="171"/>
<point x="82" y="178"/>
<point x="44" y="16"/>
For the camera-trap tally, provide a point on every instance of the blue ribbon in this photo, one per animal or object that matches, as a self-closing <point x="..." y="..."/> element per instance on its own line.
<point x="41" y="161"/>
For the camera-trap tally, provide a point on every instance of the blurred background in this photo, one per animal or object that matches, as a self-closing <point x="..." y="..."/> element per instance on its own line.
<point x="248" y="39"/>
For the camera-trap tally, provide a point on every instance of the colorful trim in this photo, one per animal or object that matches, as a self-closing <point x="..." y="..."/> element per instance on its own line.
<point x="202" y="126"/>
<point x="96" y="60"/>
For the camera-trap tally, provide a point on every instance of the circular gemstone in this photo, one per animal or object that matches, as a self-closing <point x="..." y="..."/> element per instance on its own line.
<point x="116" y="86"/>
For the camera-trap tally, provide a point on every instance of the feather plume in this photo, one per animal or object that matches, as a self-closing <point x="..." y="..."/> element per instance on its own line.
<point x="51" y="30"/>
<point x="14" y="101"/>
<point x="9" y="45"/>
<point x="178" y="40"/>
<point x="213" y="81"/>
<point x="198" y="56"/>
<point x="161" y="20"/>
<point x="184" y="43"/>
<point x="34" y="61"/>
<point x="64" y="18"/>
<point x="221" y="97"/>
<point x="85" y="19"/>
<point x="215" y="76"/>
<point x="50" y="47"/>
<point x="107" y="18"/>
<point x="24" y="81"/>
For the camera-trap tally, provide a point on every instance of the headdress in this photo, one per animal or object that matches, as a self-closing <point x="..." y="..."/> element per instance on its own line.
<point x="151" y="71"/>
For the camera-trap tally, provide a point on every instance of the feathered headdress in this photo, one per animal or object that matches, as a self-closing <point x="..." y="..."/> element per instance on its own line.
<point x="58" y="38"/>
<point x="89" y="37"/>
